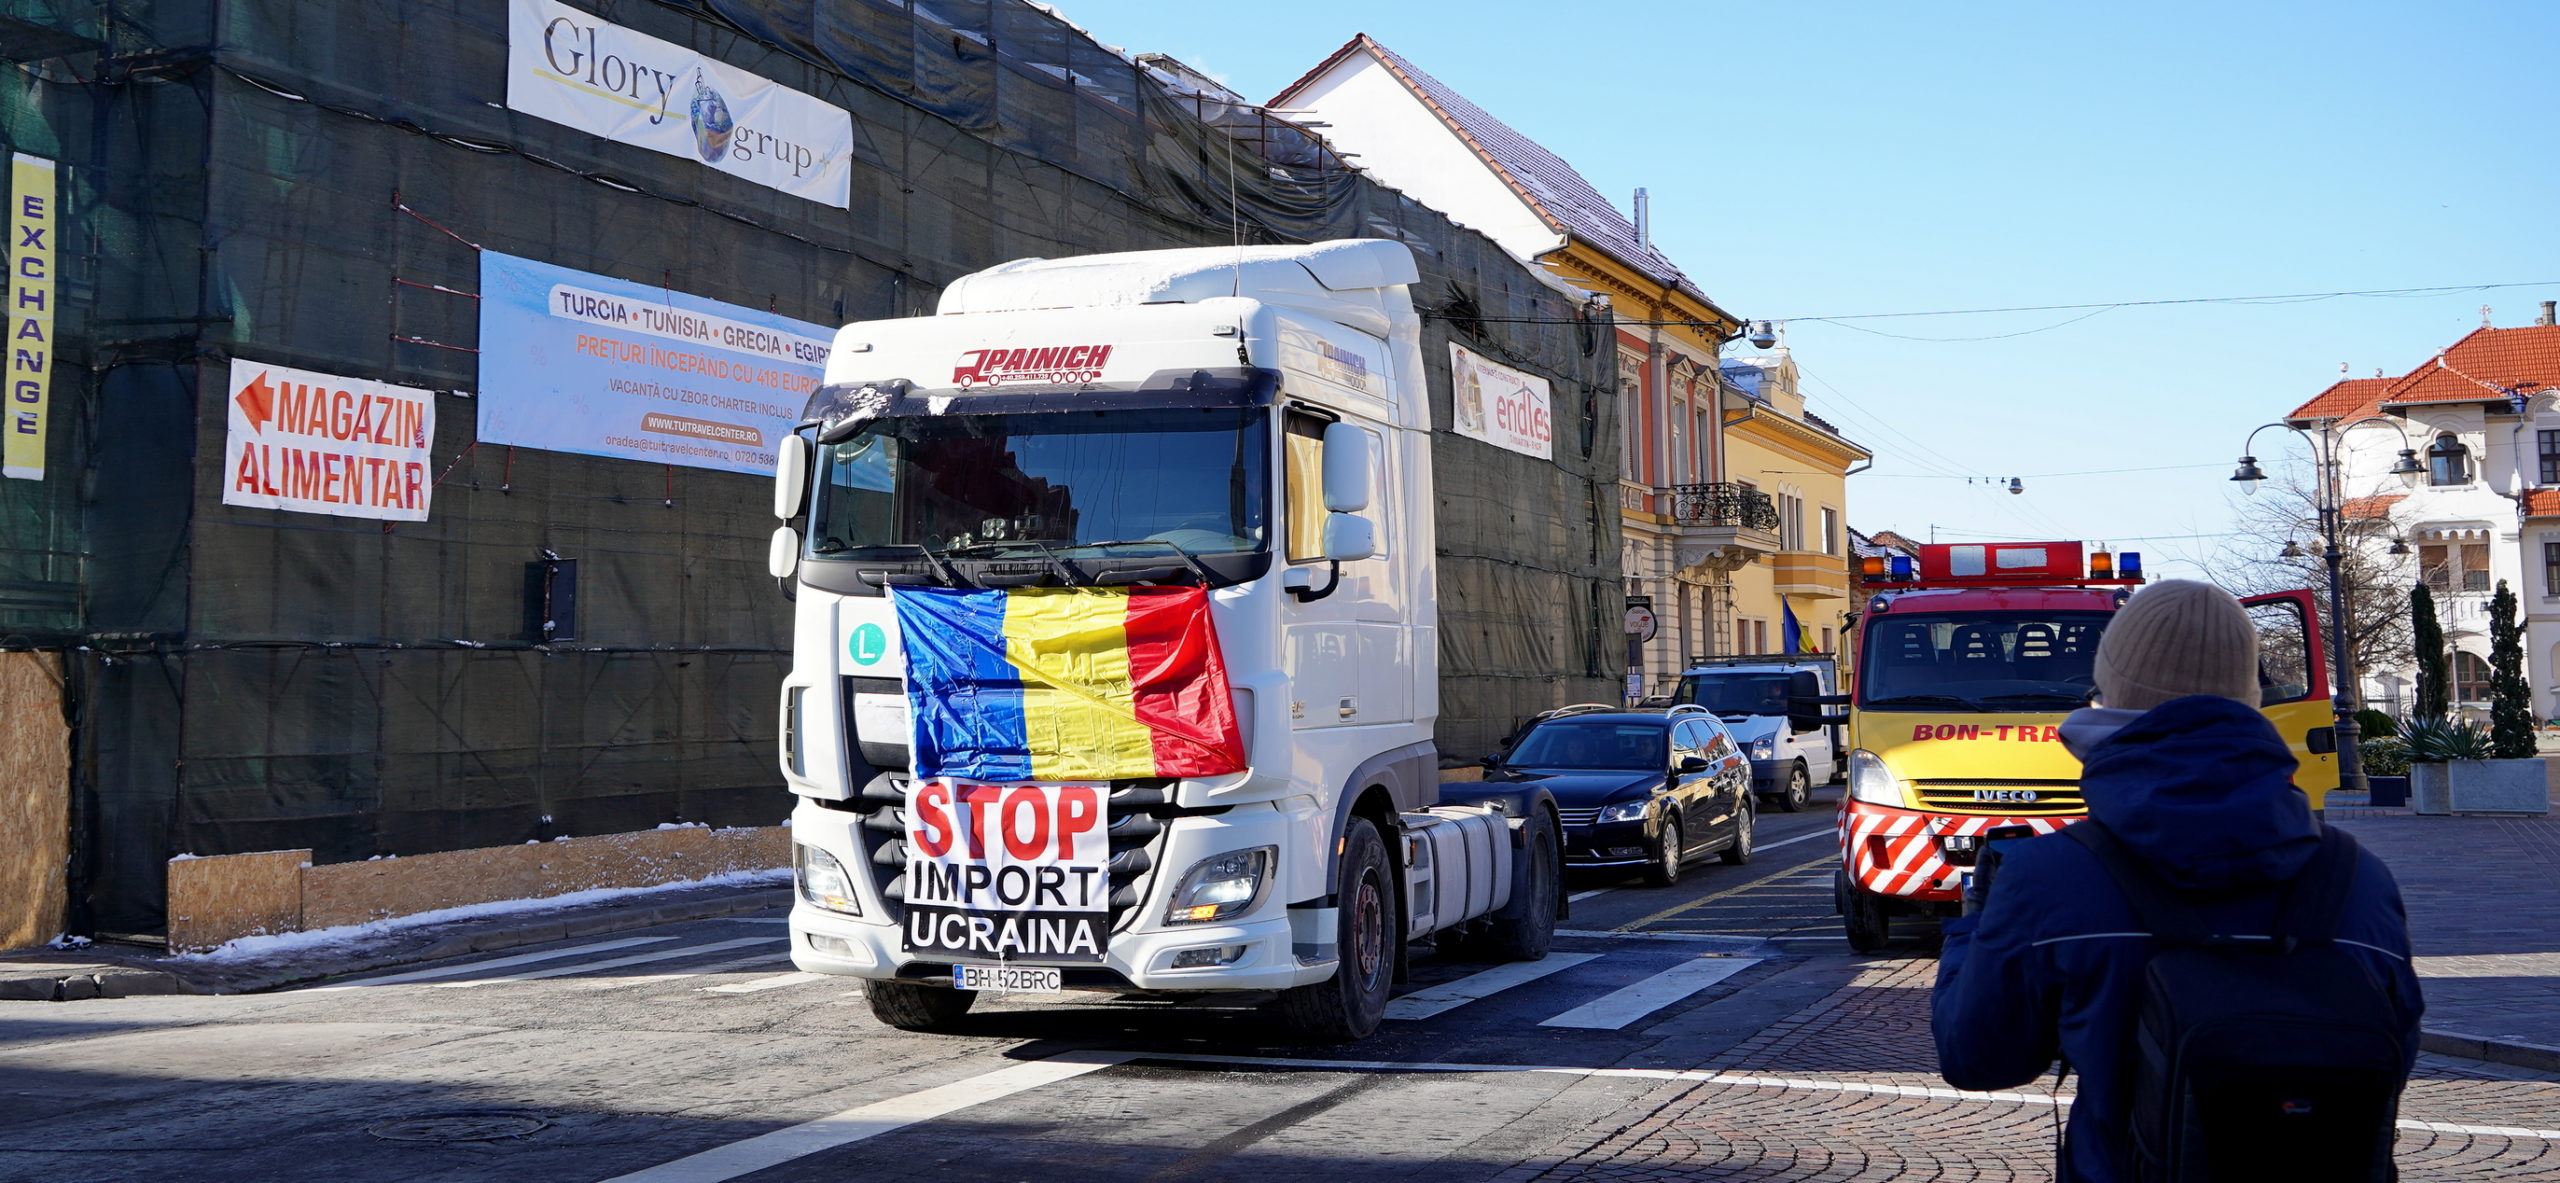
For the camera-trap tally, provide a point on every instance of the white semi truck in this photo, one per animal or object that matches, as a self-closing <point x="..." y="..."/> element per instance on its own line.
<point x="1252" y="422"/>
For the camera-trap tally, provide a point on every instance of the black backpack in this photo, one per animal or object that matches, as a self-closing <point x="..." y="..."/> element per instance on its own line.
<point x="2275" y="1056"/>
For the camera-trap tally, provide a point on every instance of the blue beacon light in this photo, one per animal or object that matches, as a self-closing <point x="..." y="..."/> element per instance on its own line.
<point x="2129" y="564"/>
<point x="1902" y="566"/>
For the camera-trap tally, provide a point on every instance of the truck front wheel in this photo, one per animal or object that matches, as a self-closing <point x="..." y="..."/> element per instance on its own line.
<point x="1349" y="1004"/>
<point x="914" y="1006"/>
<point x="1869" y="925"/>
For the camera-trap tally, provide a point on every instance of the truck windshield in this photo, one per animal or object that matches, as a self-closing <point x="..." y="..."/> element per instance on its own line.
<point x="1978" y="661"/>
<point x="1072" y="484"/>
<point x="1630" y="747"/>
<point x="1737" y="694"/>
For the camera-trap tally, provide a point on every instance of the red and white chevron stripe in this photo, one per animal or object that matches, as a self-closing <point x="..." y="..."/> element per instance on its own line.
<point x="1910" y="864"/>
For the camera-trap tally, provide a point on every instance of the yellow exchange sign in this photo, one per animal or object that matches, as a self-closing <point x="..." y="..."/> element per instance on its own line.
<point x="29" y="320"/>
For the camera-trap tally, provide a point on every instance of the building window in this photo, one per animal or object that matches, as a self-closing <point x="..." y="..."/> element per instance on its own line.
<point x="2475" y="566"/>
<point x="2551" y="568"/>
<point x="1742" y="636"/>
<point x="1830" y="535"/>
<point x="2434" y="568"/>
<point x="1826" y="640"/>
<point x="1679" y="448"/>
<point x="1703" y="439"/>
<point x="2448" y="462"/>
<point x="2548" y="445"/>
<point x="1631" y="395"/>
<point x="1760" y="636"/>
<point x="2470" y="677"/>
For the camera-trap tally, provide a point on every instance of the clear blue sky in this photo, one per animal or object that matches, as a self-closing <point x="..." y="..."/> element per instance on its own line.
<point x="1817" y="159"/>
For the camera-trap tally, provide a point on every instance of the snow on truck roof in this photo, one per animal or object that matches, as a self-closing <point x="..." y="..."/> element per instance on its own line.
<point x="1182" y="276"/>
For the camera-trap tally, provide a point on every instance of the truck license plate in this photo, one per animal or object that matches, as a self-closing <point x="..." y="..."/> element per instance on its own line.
<point x="1008" y="979"/>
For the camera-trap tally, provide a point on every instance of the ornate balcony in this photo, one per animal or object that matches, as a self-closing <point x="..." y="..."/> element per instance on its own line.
<point x="1723" y="525"/>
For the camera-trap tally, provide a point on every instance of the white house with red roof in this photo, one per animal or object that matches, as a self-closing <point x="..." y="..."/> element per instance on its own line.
<point x="2483" y="418"/>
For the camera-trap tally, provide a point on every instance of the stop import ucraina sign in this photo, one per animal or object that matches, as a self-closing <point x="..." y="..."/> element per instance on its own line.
<point x="1007" y="872"/>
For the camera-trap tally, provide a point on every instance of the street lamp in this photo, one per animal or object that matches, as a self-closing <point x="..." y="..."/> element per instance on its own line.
<point x="2324" y="452"/>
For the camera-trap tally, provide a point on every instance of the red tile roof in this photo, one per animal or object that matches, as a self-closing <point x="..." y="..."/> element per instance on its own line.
<point x="2374" y="508"/>
<point x="2542" y="503"/>
<point x="1563" y="199"/>
<point x="2351" y="398"/>
<point x="2526" y="357"/>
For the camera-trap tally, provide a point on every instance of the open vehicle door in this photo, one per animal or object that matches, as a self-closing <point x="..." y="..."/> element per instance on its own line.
<point x="2293" y="686"/>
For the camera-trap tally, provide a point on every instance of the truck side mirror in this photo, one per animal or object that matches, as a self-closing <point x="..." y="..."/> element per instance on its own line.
<point x="783" y="557"/>
<point x="1804" y="700"/>
<point x="1346" y="468"/>
<point x="1348" y="537"/>
<point x="790" y="477"/>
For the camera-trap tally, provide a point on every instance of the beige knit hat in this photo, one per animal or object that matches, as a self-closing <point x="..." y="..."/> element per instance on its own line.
<point x="2175" y="638"/>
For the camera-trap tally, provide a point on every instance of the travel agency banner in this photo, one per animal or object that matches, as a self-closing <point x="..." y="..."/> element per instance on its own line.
<point x="576" y="69"/>
<point x="1500" y="405"/>
<point x="575" y="362"/>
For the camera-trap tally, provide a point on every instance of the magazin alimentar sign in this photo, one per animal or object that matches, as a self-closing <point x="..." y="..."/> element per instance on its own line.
<point x="576" y="69"/>
<point x="319" y="443"/>
<point x="575" y="362"/>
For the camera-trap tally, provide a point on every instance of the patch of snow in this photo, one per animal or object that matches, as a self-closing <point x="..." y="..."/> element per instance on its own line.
<point x="259" y="948"/>
<point x="684" y="825"/>
<point x="180" y="858"/>
<point x="67" y="941"/>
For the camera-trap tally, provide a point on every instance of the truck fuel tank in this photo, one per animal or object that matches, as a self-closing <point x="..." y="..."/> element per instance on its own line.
<point x="1457" y="865"/>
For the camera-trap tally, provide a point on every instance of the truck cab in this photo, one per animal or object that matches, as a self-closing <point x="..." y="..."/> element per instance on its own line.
<point x="1765" y="702"/>
<point x="1242" y="435"/>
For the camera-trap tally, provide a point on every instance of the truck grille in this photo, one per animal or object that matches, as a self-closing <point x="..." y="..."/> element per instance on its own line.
<point x="2001" y="798"/>
<point x="1134" y="821"/>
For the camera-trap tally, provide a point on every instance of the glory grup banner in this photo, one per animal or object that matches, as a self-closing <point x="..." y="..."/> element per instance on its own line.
<point x="575" y="69"/>
<point x="574" y="362"/>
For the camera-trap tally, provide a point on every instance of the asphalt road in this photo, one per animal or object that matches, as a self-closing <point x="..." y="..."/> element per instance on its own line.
<point x="1684" y="1032"/>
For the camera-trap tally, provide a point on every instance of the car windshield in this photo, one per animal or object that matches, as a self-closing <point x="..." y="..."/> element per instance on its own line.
<point x="2035" y="662"/>
<point x="1054" y="483"/>
<point x="1631" y="747"/>
<point x="1737" y="694"/>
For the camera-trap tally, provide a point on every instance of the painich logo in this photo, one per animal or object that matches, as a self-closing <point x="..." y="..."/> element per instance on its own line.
<point x="1061" y="365"/>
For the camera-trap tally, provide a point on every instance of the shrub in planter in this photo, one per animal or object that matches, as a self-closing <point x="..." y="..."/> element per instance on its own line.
<point x="2386" y="756"/>
<point x="2373" y="724"/>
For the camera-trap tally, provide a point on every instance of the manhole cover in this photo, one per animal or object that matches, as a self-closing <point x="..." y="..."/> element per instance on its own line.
<point x="457" y="1127"/>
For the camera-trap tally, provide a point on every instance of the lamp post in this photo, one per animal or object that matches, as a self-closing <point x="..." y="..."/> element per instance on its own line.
<point x="2324" y="452"/>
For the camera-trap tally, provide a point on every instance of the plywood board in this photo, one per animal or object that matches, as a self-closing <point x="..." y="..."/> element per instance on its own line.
<point x="355" y="893"/>
<point x="35" y="799"/>
<point x="227" y="896"/>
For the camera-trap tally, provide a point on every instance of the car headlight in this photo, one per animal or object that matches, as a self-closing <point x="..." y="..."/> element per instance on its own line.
<point x="822" y="880"/>
<point x="1762" y="749"/>
<point x="1625" y="811"/>
<point x="1870" y="781"/>
<point x="1221" y="886"/>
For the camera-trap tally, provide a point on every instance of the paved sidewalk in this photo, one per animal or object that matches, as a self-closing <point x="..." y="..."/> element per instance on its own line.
<point x="2484" y="915"/>
<point x="117" y="971"/>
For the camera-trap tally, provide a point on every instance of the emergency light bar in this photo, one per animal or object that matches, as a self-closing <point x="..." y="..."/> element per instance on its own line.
<point x="2004" y="564"/>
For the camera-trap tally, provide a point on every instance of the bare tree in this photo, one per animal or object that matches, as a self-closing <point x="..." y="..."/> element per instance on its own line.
<point x="2286" y="512"/>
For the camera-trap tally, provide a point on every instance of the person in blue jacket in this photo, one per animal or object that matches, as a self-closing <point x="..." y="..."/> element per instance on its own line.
<point x="2183" y="769"/>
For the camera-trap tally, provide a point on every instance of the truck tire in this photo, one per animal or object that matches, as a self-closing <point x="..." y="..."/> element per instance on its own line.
<point x="1869" y="926"/>
<point x="1798" y="792"/>
<point x="1367" y="933"/>
<point x="1533" y="932"/>
<point x="914" y="1006"/>
<point x="1664" y="870"/>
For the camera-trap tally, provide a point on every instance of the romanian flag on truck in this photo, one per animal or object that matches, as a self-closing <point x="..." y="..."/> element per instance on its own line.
<point x="1066" y="683"/>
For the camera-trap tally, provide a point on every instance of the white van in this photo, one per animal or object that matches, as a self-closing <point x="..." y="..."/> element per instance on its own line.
<point x="1761" y="700"/>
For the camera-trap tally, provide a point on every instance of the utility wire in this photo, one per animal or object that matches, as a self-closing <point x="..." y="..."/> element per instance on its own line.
<point x="2294" y="297"/>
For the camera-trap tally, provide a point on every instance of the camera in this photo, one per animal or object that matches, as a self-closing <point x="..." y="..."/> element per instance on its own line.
<point x="1986" y="864"/>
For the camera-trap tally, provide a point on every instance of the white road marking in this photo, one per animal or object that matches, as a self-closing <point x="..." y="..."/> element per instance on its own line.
<point x="1833" y="834"/>
<point x="1615" y="1010"/>
<point x="559" y="971"/>
<point x="447" y="971"/>
<point x="1580" y="896"/>
<point x="1746" y="1080"/>
<point x="1449" y="996"/>
<point x="1701" y="938"/>
<point x="775" y="982"/>
<point x="870" y="1121"/>
<point x="620" y="980"/>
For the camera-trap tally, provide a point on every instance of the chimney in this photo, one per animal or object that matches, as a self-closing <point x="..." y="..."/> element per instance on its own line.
<point x="1644" y="222"/>
<point x="2548" y="309"/>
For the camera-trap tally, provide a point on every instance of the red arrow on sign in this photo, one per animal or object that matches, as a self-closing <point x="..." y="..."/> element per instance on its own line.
<point x="255" y="400"/>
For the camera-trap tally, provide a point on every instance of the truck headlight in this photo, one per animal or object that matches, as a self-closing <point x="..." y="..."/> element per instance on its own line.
<point x="1625" y="811"/>
<point x="1762" y="749"/>
<point x="1870" y="781"/>
<point x="822" y="880"/>
<point x="1221" y="886"/>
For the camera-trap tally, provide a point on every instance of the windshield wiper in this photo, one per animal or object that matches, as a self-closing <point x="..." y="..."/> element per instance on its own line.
<point x="1917" y="700"/>
<point x="1073" y="576"/>
<point x="1207" y="577"/>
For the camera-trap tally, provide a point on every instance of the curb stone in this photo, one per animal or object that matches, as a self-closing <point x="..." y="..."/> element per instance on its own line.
<point x="76" y="982"/>
<point x="2495" y="1051"/>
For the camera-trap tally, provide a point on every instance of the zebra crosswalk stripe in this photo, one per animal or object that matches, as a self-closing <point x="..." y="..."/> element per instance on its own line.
<point x="1619" y="1008"/>
<point x="559" y="971"/>
<point x="1449" y="996"/>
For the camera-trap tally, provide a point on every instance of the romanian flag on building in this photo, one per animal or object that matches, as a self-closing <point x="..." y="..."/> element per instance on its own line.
<point x="1066" y="683"/>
